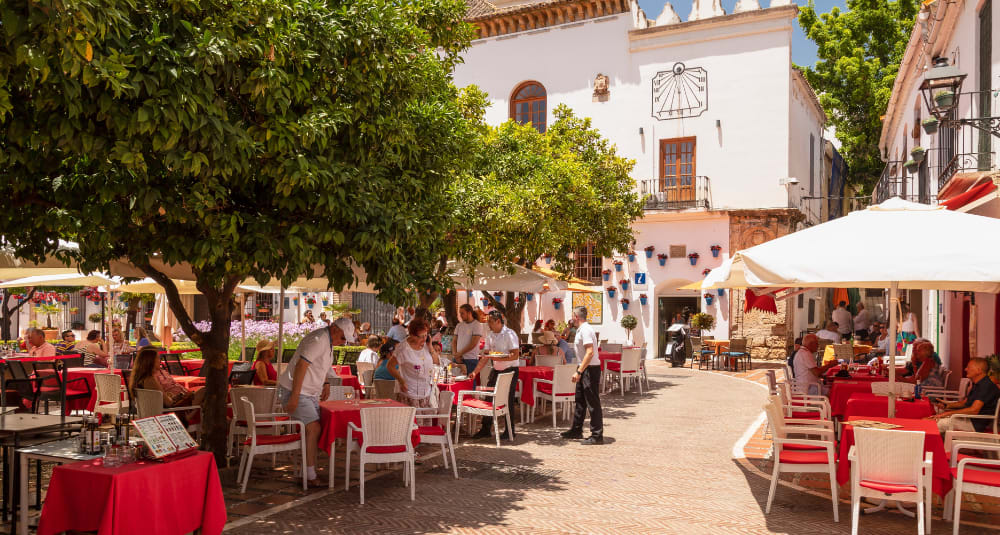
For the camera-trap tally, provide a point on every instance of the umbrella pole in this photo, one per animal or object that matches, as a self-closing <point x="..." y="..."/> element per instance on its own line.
<point x="243" y="326"/>
<point x="891" y="346"/>
<point x="281" y="324"/>
<point x="111" y="344"/>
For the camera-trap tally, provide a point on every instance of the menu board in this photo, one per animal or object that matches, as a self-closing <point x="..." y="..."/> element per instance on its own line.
<point x="164" y="434"/>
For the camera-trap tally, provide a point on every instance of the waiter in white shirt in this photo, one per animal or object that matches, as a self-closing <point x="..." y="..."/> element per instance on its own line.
<point x="588" y="382"/>
<point x="845" y="322"/>
<point x="500" y="339"/>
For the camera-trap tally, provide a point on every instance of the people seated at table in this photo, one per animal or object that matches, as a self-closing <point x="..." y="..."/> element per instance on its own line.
<point x="925" y="365"/>
<point x="566" y="341"/>
<point x="369" y="354"/>
<point x="411" y="364"/>
<point x="37" y="345"/>
<point x="842" y="317"/>
<point x="67" y="342"/>
<point x="505" y="347"/>
<point x="306" y="381"/>
<point x="881" y="341"/>
<point x="308" y="317"/>
<point x="830" y="333"/>
<point x="807" y="372"/>
<point x="95" y="354"/>
<point x="397" y="332"/>
<point x="147" y="373"/>
<point x="384" y="352"/>
<point x="118" y="342"/>
<point x="862" y="322"/>
<point x="982" y="400"/>
<point x="538" y="327"/>
<point x="264" y="372"/>
<point x="437" y="331"/>
<point x="323" y="318"/>
<point x="141" y="337"/>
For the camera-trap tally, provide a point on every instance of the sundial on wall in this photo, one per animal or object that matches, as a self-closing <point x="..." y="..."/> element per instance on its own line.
<point x="680" y="92"/>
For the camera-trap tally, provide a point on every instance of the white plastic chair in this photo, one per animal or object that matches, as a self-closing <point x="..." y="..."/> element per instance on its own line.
<point x="975" y="475"/>
<point x="366" y="373"/>
<point x="109" y="394"/>
<point x="548" y="360"/>
<point x="496" y="407"/>
<point x="560" y="390"/>
<point x="803" y="406"/>
<point x="438" y="431"/>
<point x="881" y="388"/>
<point x="384" y="388"/>
<point x="890" y="465"/>
<point x="256" y="444"/>
<point x="386" y="438"/>
<point x="772" y="382"/>
<point x="991" y="420"/>
<point x="627" y="368"/>
<point x="944" y="394"/>
<point x="800" y="454"/>
<point x="262" y="400"/>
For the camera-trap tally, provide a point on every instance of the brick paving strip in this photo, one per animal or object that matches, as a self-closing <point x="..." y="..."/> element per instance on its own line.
<point x="668" y="467"/>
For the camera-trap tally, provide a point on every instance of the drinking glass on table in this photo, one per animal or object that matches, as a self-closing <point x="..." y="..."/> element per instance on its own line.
<point x="349" y="394"/>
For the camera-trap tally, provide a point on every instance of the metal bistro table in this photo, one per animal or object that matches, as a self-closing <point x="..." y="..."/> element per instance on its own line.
<point x="58" y="451"/>
<point x="13" y="429"/>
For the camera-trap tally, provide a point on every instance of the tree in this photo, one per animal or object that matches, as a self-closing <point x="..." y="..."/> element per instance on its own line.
<point x="535" y="193"/>
<point x="249" y="139"/>
<point x="859" y="55"/>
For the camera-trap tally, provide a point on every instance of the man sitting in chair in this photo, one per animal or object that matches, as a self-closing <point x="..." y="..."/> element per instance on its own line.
<point x="982" y="400"/>
<point x="807" y="373"/>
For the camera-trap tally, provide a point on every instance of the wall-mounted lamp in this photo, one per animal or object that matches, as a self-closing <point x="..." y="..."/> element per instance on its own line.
<point x="790" y="181"/>
<point x="640" y="130"/>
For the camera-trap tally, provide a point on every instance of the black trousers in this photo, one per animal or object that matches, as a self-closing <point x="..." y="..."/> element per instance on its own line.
<point x="588" y="394"/>
<point x="511" y="401"/>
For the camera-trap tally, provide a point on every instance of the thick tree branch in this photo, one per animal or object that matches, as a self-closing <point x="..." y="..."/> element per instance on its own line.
<point x="174" y="301"/>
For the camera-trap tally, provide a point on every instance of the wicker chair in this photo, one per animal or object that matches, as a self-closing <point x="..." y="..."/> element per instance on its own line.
<point x="438" y="430"/>
<point x="109" y="394"/>
<point x="495" y="408"/>
<point x="560" y="390"/>
<point x="890" y="465"/>
<point x="269" y="443"/>
<point x="262" y="400"/>
<point x="627" y="368"/>
<point x="384" y="388"/>
<point x="387" y="438"/>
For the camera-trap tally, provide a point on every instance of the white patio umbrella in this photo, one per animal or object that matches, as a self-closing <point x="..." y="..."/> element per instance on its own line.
<point x="488" y="278"/>
<point x="63" y="279"/>
<point x="957" y="256"/>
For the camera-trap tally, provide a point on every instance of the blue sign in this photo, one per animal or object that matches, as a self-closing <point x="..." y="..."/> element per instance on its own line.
<point x="639" y="278"/>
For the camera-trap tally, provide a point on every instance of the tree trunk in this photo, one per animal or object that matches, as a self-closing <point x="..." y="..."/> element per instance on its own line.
<point x="133" y="308"/>
<point x="8" y="313"/>
<point x="450" y="300"/>
<point x="515" y="311"/>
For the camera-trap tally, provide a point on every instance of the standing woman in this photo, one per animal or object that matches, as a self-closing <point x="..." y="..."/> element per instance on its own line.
<point x="908" y="331"/>
<point x="411" y="364"/>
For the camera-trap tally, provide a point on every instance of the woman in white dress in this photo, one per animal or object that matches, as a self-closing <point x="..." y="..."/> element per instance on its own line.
<point x="412" y="365"/>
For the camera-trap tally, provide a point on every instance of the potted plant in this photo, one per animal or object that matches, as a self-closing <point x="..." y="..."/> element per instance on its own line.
<point x="529" y="297"/>
<point x="625" y="301"/>
<point x="310" y="301"/>
<point x="911" y="166"/>
<point x="618" y="265"/>
<point x="611" y="291"/>
<point x="49" y="310"/>
<point x="624" y="284"/>
<point x="705" y="272"/>
<point x="708" y="298"/>
<point x="662" y="258"/>
<point x="721" y="292"/>
<point x="693" y="257"/>
<point x="918" y="153"/>
<point x="944" y="98"/>
<point x="547" y="257"/>
<point x="485" y="301"/>
<point x="498" y="295"/>
<point x="606" y="274"/>
<point x="95" y="318"/>
<point x="631" y="256"/>
<point x="74" y="310"/>
<point x="703" y="321"/>
<point x="628" y="322"/>
<point x="930" y="125"/>
<point x="649" y="251"/>
<point x="715" y="250"/>
<point x="556" y="302"/>
<point x="326" y="302"/>
<point x="643" y="299"/>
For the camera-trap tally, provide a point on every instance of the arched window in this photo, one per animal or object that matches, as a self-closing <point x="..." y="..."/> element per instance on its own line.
<point x="528" y="105"/>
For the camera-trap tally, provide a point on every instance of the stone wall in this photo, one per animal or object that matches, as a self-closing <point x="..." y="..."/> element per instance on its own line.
<point x="768" y="335"/>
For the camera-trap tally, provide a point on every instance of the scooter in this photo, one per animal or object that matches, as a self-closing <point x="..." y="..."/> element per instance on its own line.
<point x="675" y="351"/>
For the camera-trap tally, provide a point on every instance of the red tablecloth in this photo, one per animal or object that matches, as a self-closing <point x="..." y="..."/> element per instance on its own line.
<point x="349" y="380"/>
<point x="26" y="358"/>
<point x="528" y="374"/>
<point x="862" y="370"/>
<point x="148" y="497"/>
<point x="604" y="356"/>
<point x="458" y="386"/>
<point x="190" y="382"/>
<point x="933" y="443"/>
<point x="88" y="375"/>
<point x="842" y="390"/>
<point x="193" y="365"/>
<point x="867" y="404"/>
<point x="335" y="415"/>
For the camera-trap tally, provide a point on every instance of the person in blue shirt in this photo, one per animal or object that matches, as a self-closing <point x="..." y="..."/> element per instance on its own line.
<point x="384" y="352"/>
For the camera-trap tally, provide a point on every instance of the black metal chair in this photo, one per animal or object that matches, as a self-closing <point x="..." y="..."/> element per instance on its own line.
<point x="73" y="362"/>
<point x="51" y="379"/>
<point x="124" y="362"/>
<point x="173" y="364"/>
<point x="241" y="374"/>
<point x="251" y="352"/>
<point x="287" y="354"/>
<point x="20" y="390"/>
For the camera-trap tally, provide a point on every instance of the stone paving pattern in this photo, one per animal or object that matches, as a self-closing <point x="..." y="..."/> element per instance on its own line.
<point x="667" y="467"/>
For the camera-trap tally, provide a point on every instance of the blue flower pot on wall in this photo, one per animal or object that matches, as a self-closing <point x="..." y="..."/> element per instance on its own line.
<point x="325" y="302"/>
<point x="643" y="301"/>
<point x="618" y="267"/>
<point x="530" y="297"/>
<point x="556" y="305"/>
<point x="631" y="257"/>
<point x="662" y="260"/>
<point x="607" y="276"/>
<point x="624" y="306"/>
<point x="624" y="285"/>
<point x="611" y="294"/>
<point x="721" y="292"/>
<point x="649" y="253"/>
<point x="708" y="299"/>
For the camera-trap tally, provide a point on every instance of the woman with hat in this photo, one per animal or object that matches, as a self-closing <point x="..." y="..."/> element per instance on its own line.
<point x="265" y="374"/>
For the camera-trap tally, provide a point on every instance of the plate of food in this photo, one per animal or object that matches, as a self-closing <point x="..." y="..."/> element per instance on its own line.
<point x="460" y="377"/>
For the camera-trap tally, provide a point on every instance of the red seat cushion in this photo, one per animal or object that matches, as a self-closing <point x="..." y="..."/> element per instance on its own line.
<point x="270" y="440"/>
<point x="435" y="430"/>
<point x="962" y="456"/>
<point x="803" y="457"/>
<point x="480" y="404"/>
<point x="802" y="447"/>
<point x="978" y="477"/>
<point x="888" y="488"/>
<point x="386" y="449"/>
<point x="546" y="388"/>
<point x="806" y="415"/>
<point x="616" y="366"/>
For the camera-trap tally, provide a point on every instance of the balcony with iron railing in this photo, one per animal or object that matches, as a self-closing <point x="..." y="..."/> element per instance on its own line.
<point x="897" y="181"/>
<point x="677" y="193"/>
<point x="964" y="144"/>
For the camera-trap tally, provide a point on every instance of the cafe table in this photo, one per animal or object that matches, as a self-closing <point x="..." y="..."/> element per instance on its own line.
<point x="456" y="387"/>
<point x="88" y="375"/>
<point x="841" y="391"/>
<point x="867" y="404"/>
<point x="147" y="497"/>
<point x="528" y="374"/>
<point x="57" y="451"/>
<point x="941" y="477"/>
<point x="604" y="356"/>
<point x="719" y="346"/>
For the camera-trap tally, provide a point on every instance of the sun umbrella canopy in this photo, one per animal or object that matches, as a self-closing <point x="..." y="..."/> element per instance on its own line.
<point x="487" y="278"/>
<point x="64" y="279"/>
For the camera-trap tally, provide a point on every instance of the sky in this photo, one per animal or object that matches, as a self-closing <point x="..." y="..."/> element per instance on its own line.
<point x="803" y="50"/>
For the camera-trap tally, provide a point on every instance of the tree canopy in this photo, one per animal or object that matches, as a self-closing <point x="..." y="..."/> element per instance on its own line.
<point x="247" y="139"/>
<point x="859" y="53"/>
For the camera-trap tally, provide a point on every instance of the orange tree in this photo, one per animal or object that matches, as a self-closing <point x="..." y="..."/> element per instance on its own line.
<point x="252" y="139"/>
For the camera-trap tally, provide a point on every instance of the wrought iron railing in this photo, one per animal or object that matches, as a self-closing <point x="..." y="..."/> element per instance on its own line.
<point x="681" y="193"/>
<point x="897" y="181"/>
<point x="966" y="144"/>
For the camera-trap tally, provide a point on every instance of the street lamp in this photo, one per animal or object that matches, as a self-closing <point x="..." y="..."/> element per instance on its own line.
<point x="941" y="87"/>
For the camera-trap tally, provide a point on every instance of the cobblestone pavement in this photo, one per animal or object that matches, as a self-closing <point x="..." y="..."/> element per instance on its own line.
<point x="667" y="467"/>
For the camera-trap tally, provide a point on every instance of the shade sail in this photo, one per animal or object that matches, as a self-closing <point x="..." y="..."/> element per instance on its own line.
<point x="64" y="279"/>
<point x="553" y="274"/>
<point x="488" y="278"/>
<point x="922" y="247"/>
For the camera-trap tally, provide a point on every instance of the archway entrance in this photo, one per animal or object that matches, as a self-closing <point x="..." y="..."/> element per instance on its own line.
<point x="667" y="310"/>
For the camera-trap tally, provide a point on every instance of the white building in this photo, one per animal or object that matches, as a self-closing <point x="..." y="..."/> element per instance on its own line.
<point x="727" y="137"/>
<point x="959" y="168"/>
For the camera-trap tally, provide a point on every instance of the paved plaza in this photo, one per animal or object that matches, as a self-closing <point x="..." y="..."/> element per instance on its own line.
<point x="668" y="466"/>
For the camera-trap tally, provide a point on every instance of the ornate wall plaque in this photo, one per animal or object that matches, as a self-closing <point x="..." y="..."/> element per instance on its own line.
<point x="680" y="92"/>
<point x="601" y="92"/>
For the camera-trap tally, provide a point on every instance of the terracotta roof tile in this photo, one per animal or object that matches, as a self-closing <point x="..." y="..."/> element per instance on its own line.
<point x="478" y="8"/>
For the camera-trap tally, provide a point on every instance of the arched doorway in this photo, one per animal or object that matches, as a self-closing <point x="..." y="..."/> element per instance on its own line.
<point x="669" y="302"/>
